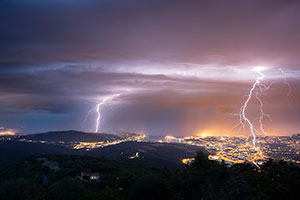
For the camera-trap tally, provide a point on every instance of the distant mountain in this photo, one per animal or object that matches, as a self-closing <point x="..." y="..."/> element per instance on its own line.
<point x="71" y="136"/>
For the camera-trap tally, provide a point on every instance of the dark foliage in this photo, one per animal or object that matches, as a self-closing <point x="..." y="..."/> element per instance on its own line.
<point x="203" y="179"/>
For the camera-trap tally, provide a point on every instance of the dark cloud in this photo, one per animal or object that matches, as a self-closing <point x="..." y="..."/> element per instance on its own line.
<point x="226" y="32"/>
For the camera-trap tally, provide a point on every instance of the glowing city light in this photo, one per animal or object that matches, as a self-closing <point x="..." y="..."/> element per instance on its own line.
<point x="203" y="134"/>
<point x="7" y="133"/>
<point x="187" y="161"/>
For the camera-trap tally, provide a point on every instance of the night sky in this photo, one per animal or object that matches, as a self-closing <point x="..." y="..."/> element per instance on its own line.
<point x="178" y="67"/>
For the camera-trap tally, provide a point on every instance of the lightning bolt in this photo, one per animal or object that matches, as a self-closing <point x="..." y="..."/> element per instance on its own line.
<point x="97" y="109"/>
<point x="257" y="88"/>
<point x="87" y="115"/>
<point x="262" y="87"/>
<point x="285" y="76"/>
<point x="262" y="114"/>
<point x="244" y="120"/>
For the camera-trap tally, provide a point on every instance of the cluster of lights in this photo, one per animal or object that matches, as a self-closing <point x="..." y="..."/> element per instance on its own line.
<point x="232" y="154"/>
<point x="101" y="144"/>
<point x="241" y="154"/>
<point x="187" y="161"/>
<point x="4" y="132"/>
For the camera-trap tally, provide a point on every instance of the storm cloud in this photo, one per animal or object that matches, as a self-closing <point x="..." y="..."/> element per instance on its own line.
<point x="179" y="67"/>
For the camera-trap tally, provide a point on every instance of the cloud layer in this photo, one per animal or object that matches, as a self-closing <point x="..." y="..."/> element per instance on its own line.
<point x="179" y="67"/>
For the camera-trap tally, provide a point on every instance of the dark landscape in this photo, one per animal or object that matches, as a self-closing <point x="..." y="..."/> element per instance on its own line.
<point x="149" y="99"/>
<point x="46" y="168"/>
<point x="15" y="149"/>
<point x="34" y="179"/>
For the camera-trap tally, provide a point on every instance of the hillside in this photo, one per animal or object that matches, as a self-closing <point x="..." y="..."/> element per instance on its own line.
<point x="71" y="136"/>
<point x="161" y="155"/>
<point x="168" y="155"/>
<point x="59" y="177"/>
<point x="13" y="151"/>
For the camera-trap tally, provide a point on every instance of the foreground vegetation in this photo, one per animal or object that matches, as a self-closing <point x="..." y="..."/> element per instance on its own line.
<point x="35" y="179"/>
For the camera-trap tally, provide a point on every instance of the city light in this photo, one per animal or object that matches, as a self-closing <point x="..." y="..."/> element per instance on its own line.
<point x="187" y="161"/>
<point x="237" y="150"/>
<point x="4" y="132"/>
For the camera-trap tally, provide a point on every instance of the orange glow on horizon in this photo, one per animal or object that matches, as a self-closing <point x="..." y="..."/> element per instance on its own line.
<point x="205" y="133"/>
<point x="4" y="133"/>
